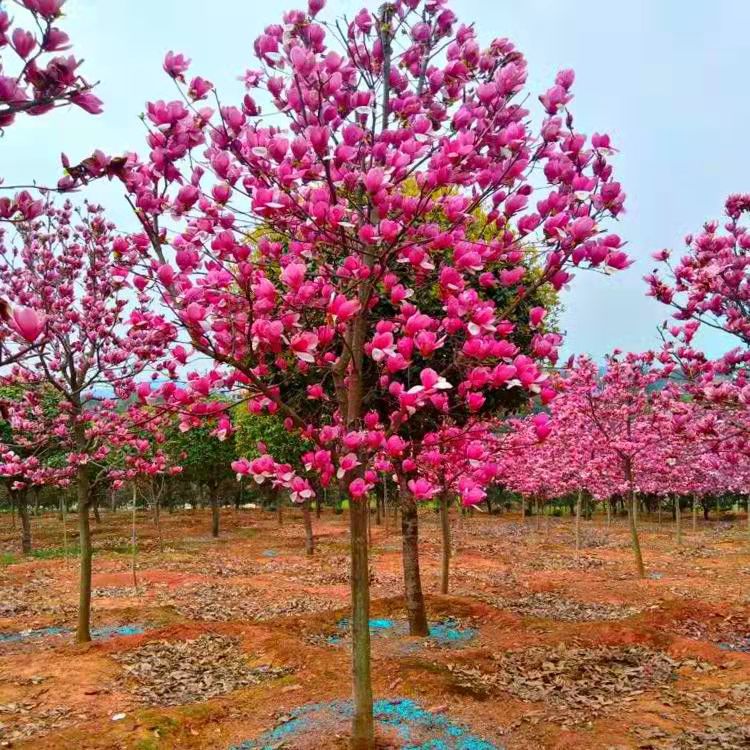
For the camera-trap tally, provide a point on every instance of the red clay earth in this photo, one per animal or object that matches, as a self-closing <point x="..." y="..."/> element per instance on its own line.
<point x="572" y="651"/>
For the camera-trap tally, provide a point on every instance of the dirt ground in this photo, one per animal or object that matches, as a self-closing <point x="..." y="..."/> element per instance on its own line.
<point x="228" y="643"/>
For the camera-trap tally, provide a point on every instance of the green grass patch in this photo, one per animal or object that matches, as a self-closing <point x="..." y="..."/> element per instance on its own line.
<point x="7" y="558"/>
<point x="53" y="553"/>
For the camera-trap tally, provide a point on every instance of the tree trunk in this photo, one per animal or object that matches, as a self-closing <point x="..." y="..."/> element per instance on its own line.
<point x="307" y="519"/>
<point x="64" y="519"/>
<point x="385" y="501"/>
<point x="134" y="540"/>
<point x="279" y="510"/>
<point x="318" y="504"/>
<point x="678" y="519"/>
<point x="412" y="581"/>
<point x="83" y="631"/>
<point x="95" y="503"/>
<point x="362" y="722"/>
<point x="578" y="521"/>
<point x="214" y="511"/>
<point x="23" y="512"/>
<point x="445" y="527"/>
<point x="523" y="508"/>
<point x="695" y="514"/>
<point x="608" y="506"/>
<point x="635" y="543"/>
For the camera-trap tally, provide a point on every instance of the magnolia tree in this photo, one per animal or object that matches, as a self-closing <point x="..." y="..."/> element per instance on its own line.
<point x="33" y="81"/>
<point x="29" y="460"/>
<point x="708" y="288"/>
<point x="319" y="241"/>
<point x="615" y="415"/>
<point x="72" y="273"/>
<point x="709" y="283"/>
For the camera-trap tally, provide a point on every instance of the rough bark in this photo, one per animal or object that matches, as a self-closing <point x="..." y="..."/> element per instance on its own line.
<point x="362" y="722"/>
<point x="83" y="630"/>
<point x="415" y="607"/>
<point x="633" y="522"/>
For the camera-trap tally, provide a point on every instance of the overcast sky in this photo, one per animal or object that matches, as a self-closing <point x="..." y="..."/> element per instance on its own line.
<point x="666" y="78"/>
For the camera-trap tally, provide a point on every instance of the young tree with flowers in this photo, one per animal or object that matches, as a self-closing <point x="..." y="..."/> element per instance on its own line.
<point x="303" y="252"/>
<point x="72" y="272"/>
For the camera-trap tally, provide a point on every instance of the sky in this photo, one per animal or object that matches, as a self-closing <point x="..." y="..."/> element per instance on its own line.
<point x="665" y="78"/>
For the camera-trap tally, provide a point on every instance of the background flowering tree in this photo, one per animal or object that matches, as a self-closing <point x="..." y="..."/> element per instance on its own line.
<point x="89" y="352"/>
<point x="333" y="263"/>
<point x="709" y="283"/>
<point x="33" y="81"/>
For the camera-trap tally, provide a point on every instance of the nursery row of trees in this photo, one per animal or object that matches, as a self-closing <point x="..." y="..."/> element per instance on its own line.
<point x="364" y="254"/>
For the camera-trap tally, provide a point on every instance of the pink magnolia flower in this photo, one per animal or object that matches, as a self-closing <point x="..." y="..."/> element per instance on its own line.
<point x="29" y="323"/>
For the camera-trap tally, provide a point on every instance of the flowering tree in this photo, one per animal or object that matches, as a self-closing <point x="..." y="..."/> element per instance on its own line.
<point x="73" y="277"/>
<point x="617" y="414"/>
<point x="33" y="81"/>
<point x="331" y="260"/>
<point x="709" y="283"/>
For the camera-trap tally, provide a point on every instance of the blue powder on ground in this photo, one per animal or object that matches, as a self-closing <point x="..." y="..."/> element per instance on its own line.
<point x="105" y="632"/>
<point x="405" y="716"/>
<point x="445" y="632"/>
<point x="111" y="632"/>
<point x="28" y="634"/>
<point x="448" y="633"/>
<point x="269" y="553"/>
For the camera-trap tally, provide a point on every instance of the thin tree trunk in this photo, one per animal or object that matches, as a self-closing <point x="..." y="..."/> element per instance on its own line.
<point x="318" y="504"/>
<point x="385" y="501"/>
<point x="523" y="508"/>
<point x="362" y="722"/>
<point x="134" y="540"/>
<point x="83" y="631"/>
<point x="695" y="514"/>
<point x="635" y="543"/>
<point x="279" y="510"/>
<point x="678" y="519"/>
<point x="307" y="519"/>
<point x="410" y="552"/>
<point x="23" y="512"/>
<point x="445" y="526"/>
<point x="608" y="506"/>
<point x="157" y="521"/>
<point x="578" y="521"/>
<point x="95" y="503"/>
<point x="63" y="517"/>
<point x="214" y="511"/>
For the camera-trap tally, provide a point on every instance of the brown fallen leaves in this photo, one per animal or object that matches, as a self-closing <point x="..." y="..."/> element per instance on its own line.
<point x="551" y="606"/>
<point x="589" y="681"/>
<point x="227" y="603"/>
<point x="174" y="673"/>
